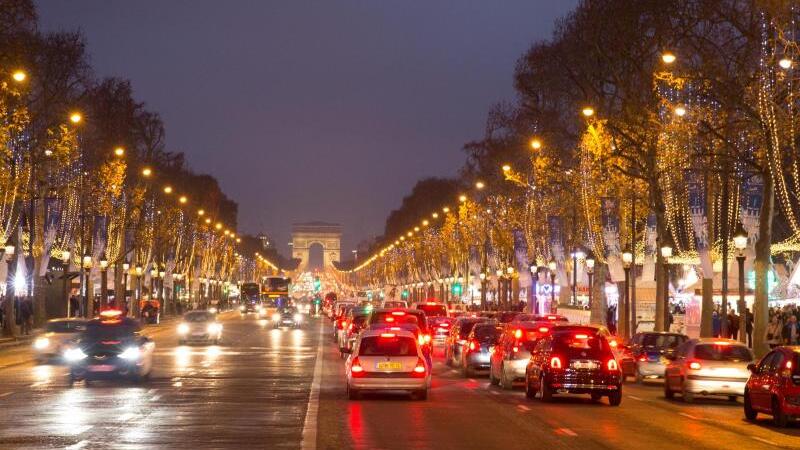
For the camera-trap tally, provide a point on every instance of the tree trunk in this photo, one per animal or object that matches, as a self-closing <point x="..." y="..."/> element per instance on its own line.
<point x="597" y="315"/>
<point x="38" y="294"/>
<point x="762" y="266"/>
<point x="707" y="309"/>
<point x="657" y="203"/>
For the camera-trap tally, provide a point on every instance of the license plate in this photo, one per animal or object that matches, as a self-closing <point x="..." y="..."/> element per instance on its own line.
<point x="198" y="334"/>
<point x="101" y="368"/>
<point x="584" y="365"/>
<point x="388" y="366"/>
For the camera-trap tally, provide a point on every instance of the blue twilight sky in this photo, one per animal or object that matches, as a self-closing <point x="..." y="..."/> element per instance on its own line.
<point x="314" y="110"/>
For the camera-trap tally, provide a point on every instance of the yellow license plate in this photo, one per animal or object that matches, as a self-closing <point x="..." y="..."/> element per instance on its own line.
<point x="389" y="366"/>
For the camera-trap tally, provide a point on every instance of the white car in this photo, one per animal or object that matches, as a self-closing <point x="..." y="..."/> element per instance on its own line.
<point x="58" y="335"/>
<point x="199" y="327"/>
<point x="387" y="361"/>
<point x="708" y="366"/>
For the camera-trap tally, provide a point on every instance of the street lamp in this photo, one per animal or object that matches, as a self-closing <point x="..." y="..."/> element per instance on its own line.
<point x="666" y="253"/>
<point x="668" y="57"/>
<point x="740" y="242"/>
<point x="19" y="76"/>
<point x="533" y="299"/>
<point x="590" y="273"/>
<point x="104" y="280"/>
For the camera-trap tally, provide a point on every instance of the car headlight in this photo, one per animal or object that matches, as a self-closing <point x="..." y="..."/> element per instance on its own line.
<point x="260" y="310"/>
<point x="74" y="354"/>
<point x="214" y="328"/>
<point x="183" y="328"/>
<point x="276" y="317"/>
<point x="242" y="308"/>
<point x="130" y="353"/>
<point x="212" y="310"/>
<point x="41" y="343"/>
<point x="298" y="317"/>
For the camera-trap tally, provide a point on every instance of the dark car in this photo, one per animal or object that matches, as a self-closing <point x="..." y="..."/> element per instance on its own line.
<point x="397" y="316"/>
<point x="457" y="339"/>
<point x="110" y="347"/>
<point x="650" y="352"/>
<point x="512" y="353"/>
<point x="575" y="360"/>
<point x="288" y="316"/>
<point x="774" y="386"/>
<point x="477" y="351"/>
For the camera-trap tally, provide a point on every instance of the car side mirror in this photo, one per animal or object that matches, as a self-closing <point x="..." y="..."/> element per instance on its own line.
<point x="752" y="367"/>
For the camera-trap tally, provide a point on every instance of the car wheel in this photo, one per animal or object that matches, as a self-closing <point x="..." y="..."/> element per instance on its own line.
<point x="749" y="412"/>
<point x="779" y="418"/>
<point x="639" y="377"/>
<point x="530" y="392"/>
<point x="494" y="381"/>
<point x="352" y="394"/>
<point x="615" y="398"/>
<point x="596" y="396"/>
<point x="669" y="394"/>
<point x="505" y="383"/>
<point x="688" y="397"/>
<point x="546" y="393"/>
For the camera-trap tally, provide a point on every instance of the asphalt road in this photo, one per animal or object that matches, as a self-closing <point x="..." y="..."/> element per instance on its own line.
<point x="258" y="390"/>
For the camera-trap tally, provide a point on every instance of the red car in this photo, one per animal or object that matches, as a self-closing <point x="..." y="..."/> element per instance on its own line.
<point x="774" y="386"/>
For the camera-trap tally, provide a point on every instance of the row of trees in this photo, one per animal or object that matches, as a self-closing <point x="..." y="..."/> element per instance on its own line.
<point x="681" y="115"/>
<point x="85" y="178"/>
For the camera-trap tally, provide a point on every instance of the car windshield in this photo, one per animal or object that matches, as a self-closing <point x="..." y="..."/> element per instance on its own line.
<point x="466" y="327"/>
<point x="388" y="346"/>
<point x="360" y="320"/>
<point x="437" y="310"/>
<point x="662" y="340"/>
<point x="727" y="352"/>
<point x="66" y="326"/>
<point x="198" y="316"/>
<point x="486" y="332"/>
<point x="581" y="345"/>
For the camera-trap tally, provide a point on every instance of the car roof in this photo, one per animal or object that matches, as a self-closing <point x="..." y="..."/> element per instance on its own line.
<point x="530" y="324"/>
<point x="665" y="333"/>
<point x="711" y="340"/>
<point x="67" y="319"/>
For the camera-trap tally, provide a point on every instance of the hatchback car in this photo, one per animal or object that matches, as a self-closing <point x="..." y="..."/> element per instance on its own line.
<point x="774" y="386"/>
<point x="479" y="345"/>
<point x="110" y="347"/>
<point x="457" y="339"/>
<point x="355" y="323"/>
<point x="288" y="316"/>
<point x="199" y="327"/>
<point x="650" y="350"/>
<point x="707" y="366"/>
<point x="58" y="334"/>
<point x="510" y="356"/>
<point x="573" y="360"/>
<point x="387" y="361"/>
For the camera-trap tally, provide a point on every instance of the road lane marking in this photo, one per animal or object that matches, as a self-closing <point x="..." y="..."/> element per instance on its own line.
<point x="689" y="416"/>
<point x="155" y="398"/>
<point x="5" y="394"/>
<point x="523" y="408"/>
<point x="765" y="441"/>
<point x="636" y="398"/>
<point x="78" y="445"/>
<point x="309" y="441"/>
<point x="80" y="430"/>
<point x="494" y="392"/>
<point x="566" y="432"/>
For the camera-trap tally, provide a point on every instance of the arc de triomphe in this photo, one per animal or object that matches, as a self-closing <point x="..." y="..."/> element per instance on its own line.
<point x="328" y="235"/>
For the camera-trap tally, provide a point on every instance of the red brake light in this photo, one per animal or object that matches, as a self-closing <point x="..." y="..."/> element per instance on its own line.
<point x="694" y="365"/>
<point x="551" y="317"/>
<point x="643" y="358"/>
<point x="390" y="319"/>
<point x="515" y="349"/>
<point x="518" y="333"/>
<point x="356" y="368"/>
<point x="398" y="313"/>
<point x="395" y="328"/>
<point x="472" y="345"/>
<point x="613" y="343"/>
<point x="419" y="369"/>
<point x="612" y="365"/>
<point x="427" y="338"/>
<point x="555" y="362"/>
<point x="350" y="327"/>
<point x="421" y="339"/>
<point x="581" y="336"/>
<point x="543" y="329"/>
<point x="721" y="343"/>
<point x="388" y="335"/>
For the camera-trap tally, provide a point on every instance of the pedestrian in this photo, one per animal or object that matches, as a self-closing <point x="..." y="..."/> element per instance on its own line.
<point x="791" y="332"/>
<point x="733" y="325"/>
<point x="748" y="327"/>
<point x="26" y="314"/>
<point x="716" y="324"/>
<point x="774" y="330"/>
<point x="74" y="306"/>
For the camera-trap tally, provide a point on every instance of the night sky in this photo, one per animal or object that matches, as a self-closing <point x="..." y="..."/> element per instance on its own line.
<point x="314" y="110"/>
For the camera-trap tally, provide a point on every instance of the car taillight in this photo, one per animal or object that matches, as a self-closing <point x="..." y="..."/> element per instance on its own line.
<point x="612" y="365"/>
<point x="473" y="345"/>
<point x="419" y="369"/>
<point x="350" y="327"/>
<point x="555" y="362"/>
<point x="427" y="338"/>
<point x="515" y="349"/>
<point x="543" y="329"/>
<point x="421" y="339"/>
<point x="355" y="368"/>
<point x="694" y="365"/>
<point x="518" y="333"/>
<point x="643" y="358"/>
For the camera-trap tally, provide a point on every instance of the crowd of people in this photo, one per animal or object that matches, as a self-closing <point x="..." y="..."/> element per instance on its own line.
<point x="783" y="328"/>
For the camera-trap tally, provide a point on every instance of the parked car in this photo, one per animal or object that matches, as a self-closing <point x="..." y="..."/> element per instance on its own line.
<point x="774" y="386"/>
<point x="708" y="366"/>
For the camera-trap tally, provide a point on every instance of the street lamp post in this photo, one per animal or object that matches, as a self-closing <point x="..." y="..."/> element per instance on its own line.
<point x="104" y="281"/>
<point x="590" y="273"/>
<point x="153" y="276"/>
<point x="139" y="271"/>
<point x="552" y="266"/>
<point x="740" y="242"/>
<point x="533" y="301"/>
<point x="86" y="264"/>
<point x="623" y="312"/>
<point x="123" y="303"/>
<point x="666" y="253"/>
<point x="8" y="306"/>
<point x="482" y="276"/>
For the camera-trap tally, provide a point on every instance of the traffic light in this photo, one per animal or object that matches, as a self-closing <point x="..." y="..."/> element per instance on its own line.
<point x="317" y="284"/>
<point x="456" y="289"/>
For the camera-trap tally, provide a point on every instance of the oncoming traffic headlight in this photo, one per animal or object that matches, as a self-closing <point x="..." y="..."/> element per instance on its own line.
<point x="276" y="317"/>
<point x="183" y="328"/>
<point x="41" y="343"/>
<point x="74" y="354"/>
<point x="130" y="353"/>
